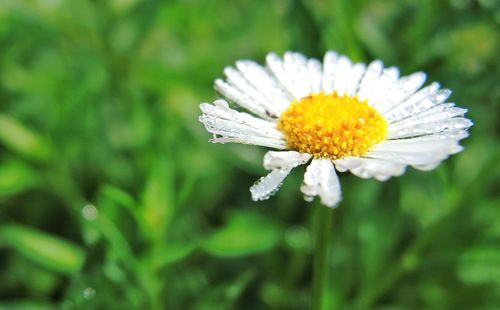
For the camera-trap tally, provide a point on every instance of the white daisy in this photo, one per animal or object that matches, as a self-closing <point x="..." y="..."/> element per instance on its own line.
<point x="337" y="115"/>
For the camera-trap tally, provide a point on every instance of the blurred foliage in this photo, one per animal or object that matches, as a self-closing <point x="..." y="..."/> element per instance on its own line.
<point x="112" y="198"/>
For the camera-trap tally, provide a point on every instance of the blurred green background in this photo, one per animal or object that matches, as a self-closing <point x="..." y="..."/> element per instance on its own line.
<point x="112" y="198"/>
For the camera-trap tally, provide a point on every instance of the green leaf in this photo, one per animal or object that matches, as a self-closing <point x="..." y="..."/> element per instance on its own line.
<point x="46" y="249"/>
<point x="119" y="244"/>
<point x="22" y="140"/>
<point x="120" y="198"/>
<point x="245" y="233"/>
<point x="480" y="265"/>
<point x="236" y="288"/>
<point x="177" y="251"/>
<point x="15" y="177"/>
<point x="118" y="195"/>
<point x="224" y="295"/>
<point x="487" y="217"/>
<point x="122" y="6"/>
<point x="25" y="305"/>
<point x="427" y="198"/>
<point x="158" y="198"/>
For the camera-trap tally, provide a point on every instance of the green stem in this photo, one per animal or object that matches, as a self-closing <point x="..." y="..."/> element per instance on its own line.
<point x="323" y="224"/>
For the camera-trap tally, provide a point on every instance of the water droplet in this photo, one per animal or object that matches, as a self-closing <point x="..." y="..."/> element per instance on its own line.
<point x="308" y="198"/>
<point x="89" y="212"/>
<point x="89" y="293"/>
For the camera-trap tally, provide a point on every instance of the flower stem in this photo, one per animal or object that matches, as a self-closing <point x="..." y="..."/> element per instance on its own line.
<point x="322" y="226"/>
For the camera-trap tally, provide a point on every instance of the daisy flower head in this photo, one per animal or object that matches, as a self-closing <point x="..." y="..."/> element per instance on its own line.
<point x="333" y="116"/>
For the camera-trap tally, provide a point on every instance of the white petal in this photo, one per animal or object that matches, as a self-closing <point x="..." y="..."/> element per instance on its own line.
<point x="295" y="64"/>
<point x="290" y="72"/>
<point x="242" y="139"/>
<point x="341" y="79"/>
<point x="427" y="167"/>
<point x="435" y="113"/>
<point x="221" y="126"/>
<point x="422" y="153"/>
<point x="236" y="79"/>
<point x="403" y="158"/>
<point x="419" y="145"/>
<point x="412" y="82"/>
<point x="368" y="168"/>
<point x="347" y="163"/>
<point x="329" y="67"/>
<point x="379" y="169"/>
<point x="390" y="158"/>
<point x="262" y="80"/>
<point x="220" y="109"/>
<point x="411" y="105"/>
<point x="402" y="89"/>
<point x="267" y="186"/>
<point x="275" y="66"/>
<point x="445" y="135"/>
<point x="229" y="125"/>
<point x="315" y="73"/>
<point x="237" y="96"/>
<point x="434" y="98"/>
<point x="382" y="89"/>
<point x="284" y="159"/>
<point x="355" y="75"/>
<point x="367" y="83"/>
<point x="281" y="164"/>
<point x="321" y="180"/>
<point x="391" y="91"/>
<point x="452" y="126"/>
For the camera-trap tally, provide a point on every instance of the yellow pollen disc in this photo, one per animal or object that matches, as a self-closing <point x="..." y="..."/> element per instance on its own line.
<point x="332" y="126"/>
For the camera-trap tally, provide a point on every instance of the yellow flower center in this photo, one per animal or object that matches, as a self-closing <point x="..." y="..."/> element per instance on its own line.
<point x="332" y="126"/>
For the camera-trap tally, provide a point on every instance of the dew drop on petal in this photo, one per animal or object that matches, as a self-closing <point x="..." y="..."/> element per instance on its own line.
<point x="308" y="198"/>
<point x="89" y="293"/>
<point x="89" y="212"/>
